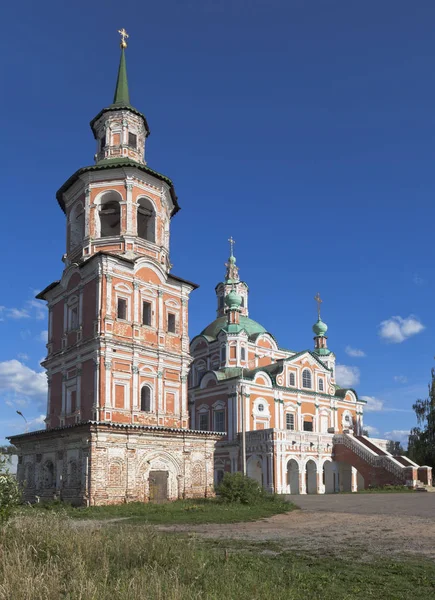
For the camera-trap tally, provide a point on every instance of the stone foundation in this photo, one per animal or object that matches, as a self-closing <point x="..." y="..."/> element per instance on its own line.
<point x="96" y="463"/>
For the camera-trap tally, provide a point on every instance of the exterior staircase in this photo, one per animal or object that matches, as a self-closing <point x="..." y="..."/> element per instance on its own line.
<point x="377" y="466"/>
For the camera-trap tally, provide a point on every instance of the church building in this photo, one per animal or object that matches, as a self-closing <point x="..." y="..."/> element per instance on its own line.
<point x="137" y="413"/>
<point x="288" y="424"/>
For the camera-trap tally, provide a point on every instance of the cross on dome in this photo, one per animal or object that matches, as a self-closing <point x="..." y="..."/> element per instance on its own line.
<point x="232" y="242"/>
<point x="319" y="301"/>
<point x="123" y="35"/>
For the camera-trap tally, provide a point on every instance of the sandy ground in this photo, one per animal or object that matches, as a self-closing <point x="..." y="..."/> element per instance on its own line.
<point x="362" y="526"/>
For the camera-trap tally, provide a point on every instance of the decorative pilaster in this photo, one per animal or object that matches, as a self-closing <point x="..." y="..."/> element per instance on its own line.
<point x="135" y="370"/>
<point x="108" y="367"/>
<point x="129" y="206"/>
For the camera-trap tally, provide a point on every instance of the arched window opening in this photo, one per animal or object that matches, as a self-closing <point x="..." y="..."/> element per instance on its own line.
<point x="223" y="354"/>
<point x="145" y="399"/>
<point x="306" y="378"/>
<point x="320" y="385"/>
<point x="146" y="220"/>
<point x="292" y="380"/>
<point x="110" y="215"/>
<point x="76" y="226"/>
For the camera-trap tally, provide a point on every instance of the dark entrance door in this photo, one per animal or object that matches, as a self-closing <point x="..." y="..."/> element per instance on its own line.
<point x="158" y="486"/>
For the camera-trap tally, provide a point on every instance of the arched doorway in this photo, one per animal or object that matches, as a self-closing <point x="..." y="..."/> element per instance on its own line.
<point x="344" y="477"/>
<point x="311" y="477"/>
<point x="329" y="477"/>
<point x="254" y="470"/>
<point x="293" y="476"/>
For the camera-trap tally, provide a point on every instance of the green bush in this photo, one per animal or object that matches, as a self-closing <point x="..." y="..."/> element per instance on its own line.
<point x="10" y="494"/>
<point x="236" y="487"/>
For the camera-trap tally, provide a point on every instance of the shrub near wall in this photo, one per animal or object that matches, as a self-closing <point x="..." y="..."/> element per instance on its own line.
<point x="10" y="494"/>
<point x="236" y="487"/>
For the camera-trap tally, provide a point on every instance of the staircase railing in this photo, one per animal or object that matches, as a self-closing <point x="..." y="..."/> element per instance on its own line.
<point x="368" y="455"/>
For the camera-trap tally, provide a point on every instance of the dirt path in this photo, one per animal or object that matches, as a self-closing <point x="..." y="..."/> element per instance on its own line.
<point x="322" y="532"/>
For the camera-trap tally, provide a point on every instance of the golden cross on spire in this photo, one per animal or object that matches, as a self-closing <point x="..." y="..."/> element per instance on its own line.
<point x="123" y="35"/>
<point x="232" y="242"/>
<point x="319" y="302"/>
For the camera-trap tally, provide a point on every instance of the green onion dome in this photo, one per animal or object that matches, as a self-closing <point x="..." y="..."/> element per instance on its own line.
<point x="320" y="328"/>
<point x="233" y="300"/>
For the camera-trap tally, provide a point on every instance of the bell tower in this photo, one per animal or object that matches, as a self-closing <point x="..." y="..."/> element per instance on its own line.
<point x="230" y="284"/>
<point x="118" y="348"/>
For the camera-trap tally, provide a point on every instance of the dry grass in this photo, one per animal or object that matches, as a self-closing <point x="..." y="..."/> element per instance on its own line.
<point x="47" y="557"/>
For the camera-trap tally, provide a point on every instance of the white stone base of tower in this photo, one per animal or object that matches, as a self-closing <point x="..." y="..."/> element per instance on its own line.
<point x="98" y="463"/>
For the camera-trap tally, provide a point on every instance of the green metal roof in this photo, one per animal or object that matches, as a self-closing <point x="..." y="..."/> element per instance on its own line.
<point x="122" y="96"/>
<point x="251" y="327"/>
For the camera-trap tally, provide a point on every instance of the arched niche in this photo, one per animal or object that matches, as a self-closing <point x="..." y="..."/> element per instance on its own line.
<point x="109" y="214"/>
<point x="146" y="220"/>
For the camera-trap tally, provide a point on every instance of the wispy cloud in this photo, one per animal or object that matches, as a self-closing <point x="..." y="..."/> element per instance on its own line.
<point x="398" y="435"/>
<point x="16" y="313"/>
<point x="396" y="329"/>
<point x="43" y="336"/>
<point x="400" y="379"/>
<point x="355" y="352"/>
<point x="418" y="280"/>
<point x="373" y="404"/>
<point x="18" y="378"/>
<point x="371" y="430"/>
<point x="32" y="309"/>
<point x="23" y="357"/>
<point x="378" y="405"/>
<point x="347" y="376"/>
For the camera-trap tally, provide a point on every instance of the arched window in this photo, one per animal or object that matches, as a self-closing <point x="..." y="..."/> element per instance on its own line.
<point x="320" y="385"/>
<point x="306" y="378"/>
<point x="76" y="226"/>
<point x="223" y="354"/>
<point x="146" y="220"/>
<point x="145" y="399"/>
<point x="292" y="380"/>
<point x="110" y="215"/>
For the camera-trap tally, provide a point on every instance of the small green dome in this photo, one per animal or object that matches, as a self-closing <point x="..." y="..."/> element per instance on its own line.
<point x="320" y="328"/>
<point x="233" y="300"/>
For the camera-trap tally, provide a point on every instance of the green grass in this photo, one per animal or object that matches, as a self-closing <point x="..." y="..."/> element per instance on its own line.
<point x="44" y="556"/>
<point x="181" y="511"/>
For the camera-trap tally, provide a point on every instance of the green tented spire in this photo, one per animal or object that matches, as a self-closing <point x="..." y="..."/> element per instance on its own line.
<point x="122" y="97"/>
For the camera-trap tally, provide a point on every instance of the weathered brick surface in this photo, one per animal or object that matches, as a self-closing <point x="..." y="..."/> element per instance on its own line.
<point x="99" y="464"/>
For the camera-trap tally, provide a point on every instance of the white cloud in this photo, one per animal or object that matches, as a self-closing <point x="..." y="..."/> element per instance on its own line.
<point x="36" y="422"/>
<point x="377" y="405"/>
<point x="39" y="309"/>
<point x="17" y="313"/>
<point x="20" y="379"/>
<point x="43" y="336"/>
<point x="33" y="309"/>
<point x="373" y="404"/>
<point x="398" y="435"/>
<point x="354" y="352"/>
<point x="371" y="430"/>
<point x="400" y="378"/>
<point x="347" y="376"/>
<point x="22" y="356"/>
<point x="397" y="329"/>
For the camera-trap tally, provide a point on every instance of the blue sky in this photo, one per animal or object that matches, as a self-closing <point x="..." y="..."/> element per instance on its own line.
<point x="303" y="129"/>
